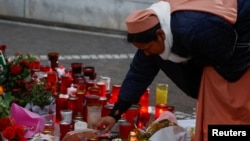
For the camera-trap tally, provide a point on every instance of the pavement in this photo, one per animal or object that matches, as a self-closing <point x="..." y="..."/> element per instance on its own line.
<point x="109" y="53"/>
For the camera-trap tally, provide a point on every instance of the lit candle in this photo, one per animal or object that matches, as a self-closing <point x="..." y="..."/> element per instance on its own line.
<point x="79" y="103"/>
<point x="159" y="108"/>
<point x="53" y="58"/>
<point x="64" y="129"/>
<point x="51" y="78"/>
<point x="44" y="68"/>
<point x="88" y="71"/>
<point x="76" y="68"/>
<point x="107" y="109"/>
<point x="35" y="64"/>
<point x="125" y="128"/>
<point x="61" y="104"/>
<point x="72" y="103"/>
<point x="144" y="101"/>
<point x="132" y="114"/>
<point x="114" y="93"/>
<point x="66" y="81"/>
<point x="102" y="86"/>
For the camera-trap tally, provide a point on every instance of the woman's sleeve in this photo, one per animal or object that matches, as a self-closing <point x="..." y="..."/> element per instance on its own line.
<point x="143" y="70"/>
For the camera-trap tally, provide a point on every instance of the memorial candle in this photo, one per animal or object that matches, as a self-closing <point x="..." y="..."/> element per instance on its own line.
<point x="159" y="108"/>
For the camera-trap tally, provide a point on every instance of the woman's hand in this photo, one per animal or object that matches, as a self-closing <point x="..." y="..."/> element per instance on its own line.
<point x="105" y="123"/>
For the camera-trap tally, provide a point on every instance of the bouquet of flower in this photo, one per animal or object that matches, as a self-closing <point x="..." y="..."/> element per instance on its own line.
<point x="15" y="76"/>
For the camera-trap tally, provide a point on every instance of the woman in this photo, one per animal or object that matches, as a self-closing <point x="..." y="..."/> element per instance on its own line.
<point x="182" y="38"/>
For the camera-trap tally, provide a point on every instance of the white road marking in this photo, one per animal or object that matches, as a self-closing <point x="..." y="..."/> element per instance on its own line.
<point x="86" y="57"/>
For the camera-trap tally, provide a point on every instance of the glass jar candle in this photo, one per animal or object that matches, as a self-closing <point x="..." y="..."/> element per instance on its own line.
<point x="53" y="60"/>
<point x="102" y="87"/>
<point x="124" y="130"/>
<point x="132" y="114"/>
<point x="72" y="103"/>
<point x="161" y="94"/>
<point x="76" y="68"/>
<point x="144" y="101"/>
<point x="107" y="109"/>
<point x="61" y="104"/>
<point x="64" y="128"/>
<point x="159" y="108"/>
<point x="94" y="112"/>
<point x="114" y="93"/>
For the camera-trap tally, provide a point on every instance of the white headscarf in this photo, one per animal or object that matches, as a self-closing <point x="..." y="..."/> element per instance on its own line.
<point x="162" y="10"/>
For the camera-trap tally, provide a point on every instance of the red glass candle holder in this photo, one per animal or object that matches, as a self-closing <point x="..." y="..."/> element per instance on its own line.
<point x="89" y="83"/>
<point x="76" y="68"/>
<point x="91" y="99"/>
<point x="144" y="101"/>
<point x="61" y="104"/>
<point x="64" y="129"/>
<point x="81" y="88"/>
<point x="32" y="73"/>
<point x="78" y="78"/>
<point x="143" y="121"/>
<point x="80" y="101"/>
<point x="94" y="90"/>
<point x="132" y="114"/>
<point x="44" y="68"/>
<point x="103" y="100"/>
<point x="35" y="64"/>
<point x="72" y="103"/>
<point x="106" y="80"/>
<point x="114" y="93"/>
<point x="52" y="78"/>
<point x="124" y="130"/>
<point x="66" y="81"/>
<point x="171" y="108"/>
<point x="68" y="71"/>
<point x="107" y="109"/>
<point x="159" y="108"/>
<point x="49" y="128"/>
<point x="52" y="81"/>
<point x="88" y="71"/>
<point x="102" y="87"/>
<point x="53" y="58"/>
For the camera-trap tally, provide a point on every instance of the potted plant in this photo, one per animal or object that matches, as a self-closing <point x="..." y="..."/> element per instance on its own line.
<point x="40" y="96"/>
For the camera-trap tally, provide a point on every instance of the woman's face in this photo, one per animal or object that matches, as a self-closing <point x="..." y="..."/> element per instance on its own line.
<point x="153" y="47"/>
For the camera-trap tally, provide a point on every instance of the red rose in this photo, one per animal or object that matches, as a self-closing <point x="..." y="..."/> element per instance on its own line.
<point x="19" y="129"/>
<point x="16" y="69"/>
<point x="5" y="122"/>
<point x="9" y="133"/>
<point x="25" y="63"/>
<point x="15" y="132"/>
